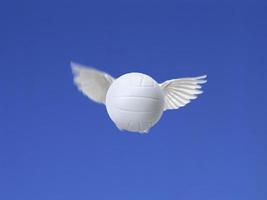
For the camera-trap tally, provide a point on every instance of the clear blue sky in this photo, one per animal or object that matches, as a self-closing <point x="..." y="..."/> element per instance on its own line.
<point x="56" y="144"/>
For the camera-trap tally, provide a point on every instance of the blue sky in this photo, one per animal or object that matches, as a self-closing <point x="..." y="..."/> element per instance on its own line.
<point x="56" y="144"/>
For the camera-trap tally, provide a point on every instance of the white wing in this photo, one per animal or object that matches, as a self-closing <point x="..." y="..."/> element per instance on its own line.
<point x="179" y="92"/>
<point x="91" y="82"/>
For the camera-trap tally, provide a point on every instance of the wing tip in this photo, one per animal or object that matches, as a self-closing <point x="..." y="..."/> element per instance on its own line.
<point x="75" y="67"/>
<point x="203" y="76"/>
<point x="202" y="79"/>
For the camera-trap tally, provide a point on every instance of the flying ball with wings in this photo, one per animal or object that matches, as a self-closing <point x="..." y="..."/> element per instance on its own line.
<point x="135" y="101"/>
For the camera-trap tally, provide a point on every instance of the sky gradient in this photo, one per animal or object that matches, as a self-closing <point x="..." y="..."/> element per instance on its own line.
<point x="57" y="144"/>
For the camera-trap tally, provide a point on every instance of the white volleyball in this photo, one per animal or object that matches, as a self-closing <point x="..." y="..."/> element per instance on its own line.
<point x="134" y="102"/>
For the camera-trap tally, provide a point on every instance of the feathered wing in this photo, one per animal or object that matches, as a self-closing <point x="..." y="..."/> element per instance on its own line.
<point x="91" y="82"/>
<point x="179" y="92"/>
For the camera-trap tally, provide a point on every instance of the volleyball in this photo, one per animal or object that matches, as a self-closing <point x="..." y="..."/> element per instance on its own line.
<point x="134" y="102"/>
